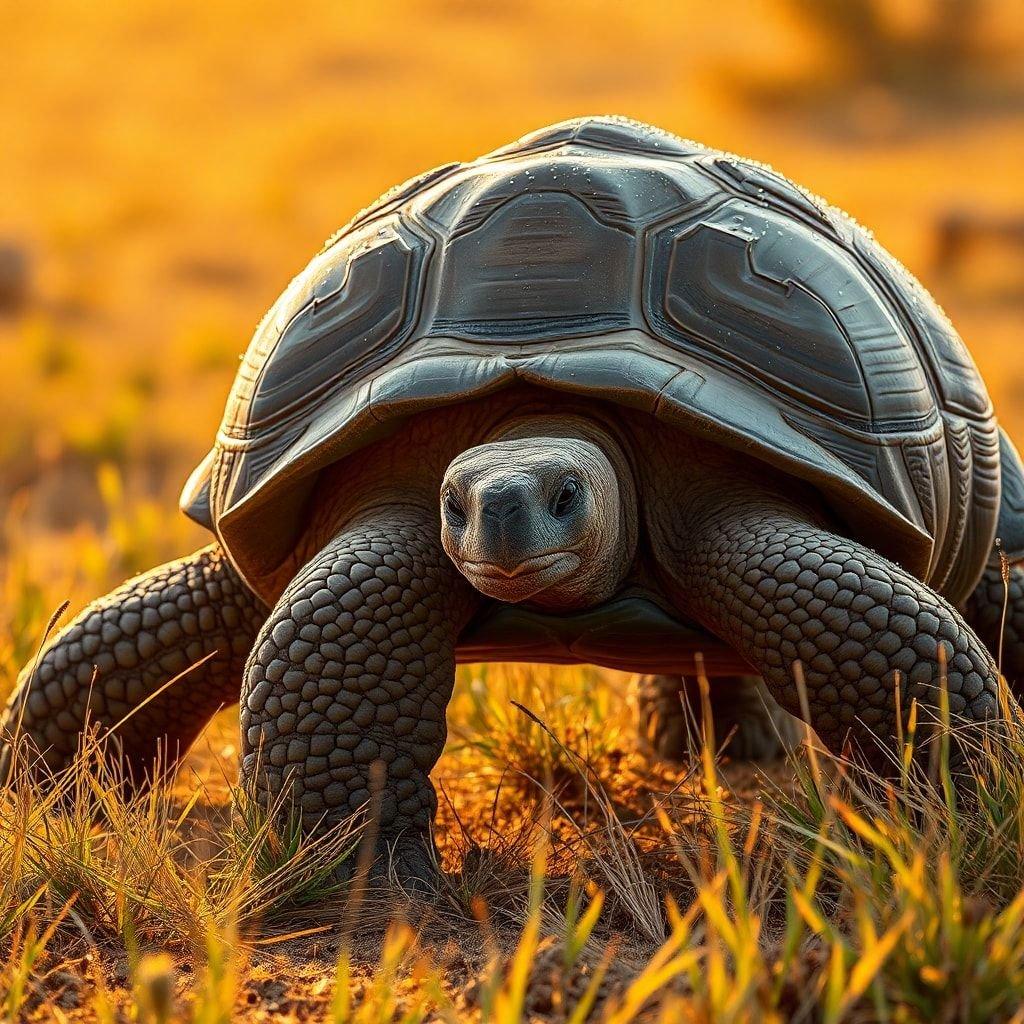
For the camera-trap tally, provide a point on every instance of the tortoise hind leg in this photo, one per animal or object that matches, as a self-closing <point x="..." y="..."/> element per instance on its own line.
<point x="984" y="610"/>
<point x="108" y="663"/>
<point x="669" y="710"/>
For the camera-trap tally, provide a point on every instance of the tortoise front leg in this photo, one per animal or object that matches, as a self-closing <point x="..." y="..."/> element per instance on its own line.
<point x="124" y="647"/>
<point x="348" y="684"/>
<point x="779" y="589"/>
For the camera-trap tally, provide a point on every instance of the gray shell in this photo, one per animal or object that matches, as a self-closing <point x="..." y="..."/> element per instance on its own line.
<point x="605" y="257"/>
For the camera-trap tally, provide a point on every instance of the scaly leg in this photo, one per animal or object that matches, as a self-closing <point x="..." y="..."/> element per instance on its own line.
<point x="984" y="610"/>
<point x="741" y="708"/>
<point x="778" y="588"/>
<point x="124" y="647"/>
<point x="350" y="679"/>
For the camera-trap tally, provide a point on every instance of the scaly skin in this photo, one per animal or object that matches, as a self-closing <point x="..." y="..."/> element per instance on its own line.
<point x="761" y="575"/>
<point x="353" y="669"/>
<point x="740" y="705"/>
<point x="136" y="639"/>
<point x="984" y="611"/>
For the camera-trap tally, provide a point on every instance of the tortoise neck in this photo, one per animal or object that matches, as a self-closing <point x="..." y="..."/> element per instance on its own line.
<point x="562" y="424"/>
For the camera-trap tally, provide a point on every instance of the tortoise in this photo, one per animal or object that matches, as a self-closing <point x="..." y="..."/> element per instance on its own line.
<point x="601" y="396"/>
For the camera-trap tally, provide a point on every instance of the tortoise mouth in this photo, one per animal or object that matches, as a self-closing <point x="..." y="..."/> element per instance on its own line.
<point x="522" y="581"/>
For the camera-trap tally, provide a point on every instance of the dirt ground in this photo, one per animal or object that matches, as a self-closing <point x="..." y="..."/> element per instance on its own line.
<point x="488" y="825"/>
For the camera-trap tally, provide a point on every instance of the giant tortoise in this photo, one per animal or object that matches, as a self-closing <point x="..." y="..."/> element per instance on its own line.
<point x="605" y="396"/>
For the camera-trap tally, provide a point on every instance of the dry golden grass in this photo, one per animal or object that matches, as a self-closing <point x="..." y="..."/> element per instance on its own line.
<point x="824" y="894"/>
<point x="167" y="167"/>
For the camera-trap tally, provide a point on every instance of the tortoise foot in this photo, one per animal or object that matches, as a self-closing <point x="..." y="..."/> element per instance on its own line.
<point x="410" y="862"/>
<point x="750" y="722"/>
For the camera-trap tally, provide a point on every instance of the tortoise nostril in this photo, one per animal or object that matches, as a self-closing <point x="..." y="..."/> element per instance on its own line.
<point x="503" y="501"/>
<point x="502" y="509"/>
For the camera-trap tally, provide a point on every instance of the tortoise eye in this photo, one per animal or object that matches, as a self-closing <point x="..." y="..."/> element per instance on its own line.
<point x="566" y="500"/>
<point x="456" y="513"/>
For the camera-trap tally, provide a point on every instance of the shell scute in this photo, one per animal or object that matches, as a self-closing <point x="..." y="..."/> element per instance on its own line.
<point x="508" y="275"/>
<point x="779" y="303"/>
<point x="337" y="322"/>
<point x="953" y="370"/>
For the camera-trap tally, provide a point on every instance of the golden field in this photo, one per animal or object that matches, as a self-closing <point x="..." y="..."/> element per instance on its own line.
<point x="166" y="168"/>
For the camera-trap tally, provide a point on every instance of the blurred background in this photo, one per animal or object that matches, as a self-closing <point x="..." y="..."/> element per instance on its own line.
<point x="167" y="166"/>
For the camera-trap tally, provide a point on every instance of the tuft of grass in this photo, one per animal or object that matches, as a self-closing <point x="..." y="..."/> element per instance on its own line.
<point x="146" y="867"/>
<point x="581" y="704"/>
<point x="612" y="850"/>
<point x="274" y="869"/>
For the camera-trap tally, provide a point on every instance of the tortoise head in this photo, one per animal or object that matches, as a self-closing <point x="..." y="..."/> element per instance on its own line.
<point x="546" y="513"/>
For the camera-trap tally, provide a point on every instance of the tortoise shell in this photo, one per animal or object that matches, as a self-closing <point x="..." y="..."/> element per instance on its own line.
<point x="604" y="257"/>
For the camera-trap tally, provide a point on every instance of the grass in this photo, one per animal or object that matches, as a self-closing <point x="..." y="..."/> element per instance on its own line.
<point x="594" y="892"/>
<point x="584" y="883"/>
